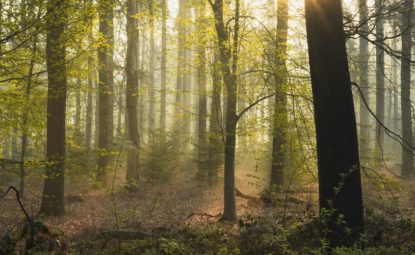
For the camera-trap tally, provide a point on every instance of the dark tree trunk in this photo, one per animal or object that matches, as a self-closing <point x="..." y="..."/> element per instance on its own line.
<point x="53" y="191"/>
<point x="132" y="91"/>
<point x="380" y="80"/>
<point x="228" y="67"/>
<point x="280" y="121"/>
<point x="106" y="82"/>
<point x="337" y="147"/>
<point x="407" y="157"/>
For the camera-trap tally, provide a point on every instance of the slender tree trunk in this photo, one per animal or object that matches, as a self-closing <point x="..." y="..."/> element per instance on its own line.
<point x="106" y="83"/>
<point x="89" y="105"/>
<point x="407" y="157"/>
<point x="228" y="66"/>
<point x="364" y="81"/>
<point x="163" y="68"/>
<point x="337" y="147"/>
<point x="77" y="133"/>
<point x="143" y="84"/>
<point x="152" y="89"/>
<point x="380" y="80"/>
<point x="132" y="70"/>
<point x="91" y="79"/>
<point x="53" y="191"/>
<point x="121" y="92"/>
<point x="215" y="123"/>
<point x="280" y="121"/>
<point x="179" y="108"/>
<point x="202" y="83"/>
<point x="187" y="79"/>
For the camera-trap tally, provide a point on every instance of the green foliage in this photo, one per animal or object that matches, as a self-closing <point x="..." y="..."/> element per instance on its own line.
<point x="159" y="158"/>
<point x="373" y="251"/>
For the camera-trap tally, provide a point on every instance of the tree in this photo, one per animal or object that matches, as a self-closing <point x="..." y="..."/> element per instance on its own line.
<point x="229" y="64"/>
<point x="380" y="78"/>
<point x="340" y="191"/>
<point x="406" y="30"/>
<point x="152" y="90"/>
<point x="215" y="121"/>
<point x="105" y="87"/>
<point x="202" y="82"/>
<point x="132" y="90"/>
<point x="53" y="191"/>
<point x="280" y="119"/>
<point x="163" y="78"/>
<point x="181" y="63"/>
<point x="364" y="81"/>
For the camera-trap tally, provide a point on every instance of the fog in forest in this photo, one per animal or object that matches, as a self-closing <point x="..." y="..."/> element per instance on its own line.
<point x="207" y="127"/>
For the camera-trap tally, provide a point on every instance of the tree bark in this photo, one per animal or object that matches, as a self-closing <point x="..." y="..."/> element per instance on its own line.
<point x="132" y="70"/>
<point x="280" y="120"/>
<point x="202" y="83"/>
<point x="380" y="80"/>
<point x="163" y="101"/>
<point x="406" y="29"/>
<point x="106" y="82"/>
<point x="228" y="67"/>
<point x="364" y="82"/>
<point x="152" y="89"/>
<point x="77" y="123"/>
<point x="337" y="147"/>
<point x="89" y="105"/>
<point x="53" y="191"/>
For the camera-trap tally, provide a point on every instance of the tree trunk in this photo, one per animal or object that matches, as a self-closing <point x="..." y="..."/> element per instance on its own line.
<point x="280" y="121"/>
<point x="229" y="77"/>
<point x="53" y="191"/>
<point x="337" y="147"/>
<point x="89" y="105"/>
<point x="163" y="68"/>
<point x="179" y="108"/>
<point x="77" y="131"/>
<point x="364" y="82"/>
<point x="215" y="122"/>
<point x="202" y="83"/>
<point x="106" y="82"/>
<point x="132" y="91"/>
<point x="380" y="80"/>
<point x="407" y="158"/>
<point x="152" y="89"/>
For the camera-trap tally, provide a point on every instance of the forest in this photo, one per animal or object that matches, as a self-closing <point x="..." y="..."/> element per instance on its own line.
<point x="216" y="127"/>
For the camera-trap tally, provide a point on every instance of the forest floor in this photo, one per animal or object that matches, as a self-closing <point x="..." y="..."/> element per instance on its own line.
<point x="182" y="217"/>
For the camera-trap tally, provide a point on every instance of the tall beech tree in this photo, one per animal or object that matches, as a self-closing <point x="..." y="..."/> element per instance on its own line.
<point x="132" y="72"/>
<point x="105" y="87"/>
<point x="280" y="120"/>
<point x="53" y="191"/>
<point x="340" y="190"/>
